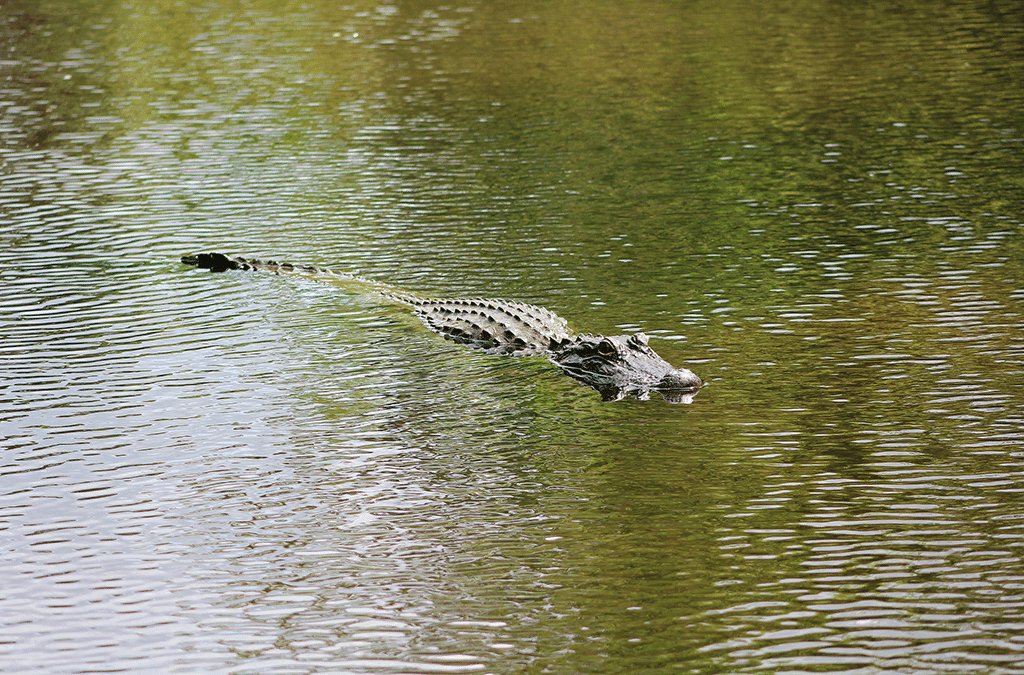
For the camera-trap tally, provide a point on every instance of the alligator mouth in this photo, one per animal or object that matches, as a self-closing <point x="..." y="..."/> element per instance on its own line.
<point x="677" y="396"/>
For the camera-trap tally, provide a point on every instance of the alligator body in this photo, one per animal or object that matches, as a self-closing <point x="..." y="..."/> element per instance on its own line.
<point x="616" y="366"/>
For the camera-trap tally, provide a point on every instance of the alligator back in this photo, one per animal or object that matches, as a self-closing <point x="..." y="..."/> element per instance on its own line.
<point x="497" y="326"/>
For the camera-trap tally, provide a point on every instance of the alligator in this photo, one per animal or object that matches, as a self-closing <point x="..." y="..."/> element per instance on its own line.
<point x="615" y="366"/>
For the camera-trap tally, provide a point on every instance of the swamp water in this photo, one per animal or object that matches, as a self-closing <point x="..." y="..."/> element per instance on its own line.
<point x="815" y="207"/>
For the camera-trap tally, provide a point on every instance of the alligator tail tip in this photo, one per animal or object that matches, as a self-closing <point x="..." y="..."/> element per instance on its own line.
<point x="215" y="262"/>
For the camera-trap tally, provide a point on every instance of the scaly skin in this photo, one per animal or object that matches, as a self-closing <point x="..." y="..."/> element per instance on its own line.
<point x="616" y="366"/>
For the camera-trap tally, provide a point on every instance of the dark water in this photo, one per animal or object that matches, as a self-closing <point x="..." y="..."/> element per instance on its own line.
<point x="814" y="206"/>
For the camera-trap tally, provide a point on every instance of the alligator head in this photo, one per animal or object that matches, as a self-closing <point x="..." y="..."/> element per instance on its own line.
<point x="623" y="365"/>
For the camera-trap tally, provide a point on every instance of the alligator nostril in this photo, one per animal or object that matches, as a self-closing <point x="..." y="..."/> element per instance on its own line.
<point x="680" y="379"/>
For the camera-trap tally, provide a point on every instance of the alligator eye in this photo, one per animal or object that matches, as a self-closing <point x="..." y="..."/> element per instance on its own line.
<point x="605" y="348"/>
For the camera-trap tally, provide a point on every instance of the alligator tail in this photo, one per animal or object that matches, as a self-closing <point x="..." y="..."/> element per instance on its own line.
<point x="218" y="262"/>
<point x="215" y="262"/>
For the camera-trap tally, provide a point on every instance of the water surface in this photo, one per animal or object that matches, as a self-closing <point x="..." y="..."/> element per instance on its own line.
<point x="815" y="207"/>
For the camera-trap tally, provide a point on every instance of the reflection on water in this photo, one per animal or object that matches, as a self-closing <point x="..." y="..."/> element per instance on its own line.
<point x="814" y="207"/>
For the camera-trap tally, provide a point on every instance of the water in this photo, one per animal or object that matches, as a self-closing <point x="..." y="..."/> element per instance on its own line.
<point x="814" y="207"/>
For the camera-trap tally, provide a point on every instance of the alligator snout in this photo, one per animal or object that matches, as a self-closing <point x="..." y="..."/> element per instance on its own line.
<point x="679" y="380"/>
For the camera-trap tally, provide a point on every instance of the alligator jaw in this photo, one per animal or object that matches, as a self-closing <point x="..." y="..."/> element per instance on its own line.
<point x="679" y="386"/>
